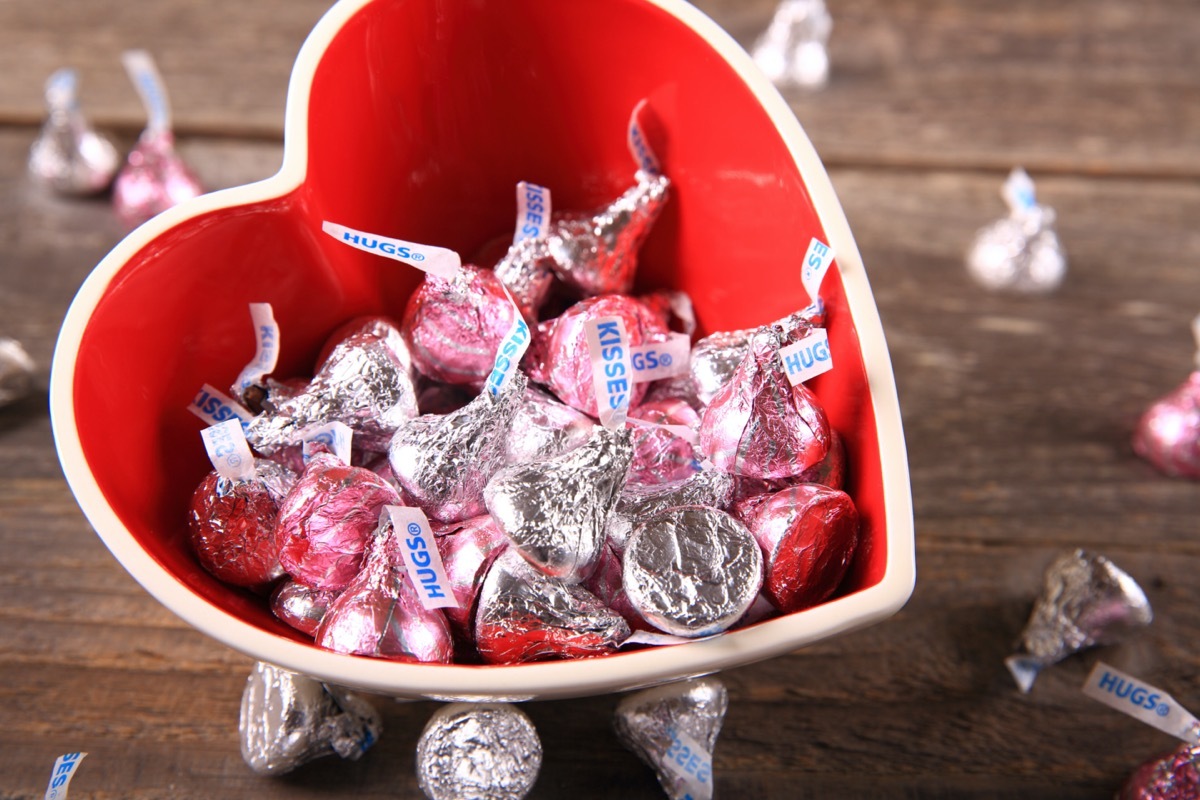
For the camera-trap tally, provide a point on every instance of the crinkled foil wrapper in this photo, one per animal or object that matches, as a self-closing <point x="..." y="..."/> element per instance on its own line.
<point x="1020" y="252"/>
<point x="455" y="326"/>
<point x="809" y="534"/>
<point x="1086" y="600"/>
<point x="231" y="526"/>
<point x="711" y="488"/>
<point x="716" y="357"/>
<point x="543" y="427"/>
<point x="1175" y="776"/>
<point x="443" y="462"/>
<point x="792" y="50"/>
<point x="16" y="371"/>
<point x="289" y="719"/>
<point x="554" y="511"/>
<point x="527" y="269"/>
<point x="523" y="615"/>
<point x="153" y="178"/>
<point x="647" y="723"/>
<point x="659" y="454"/>
<point x="1168" y="434"/>
<point x="68" y="155"/>
<point x="366" y="382"/>
<point x="467" y="550"/>
<point x="380" y="614"/>
<point x="478" y="751"/>
<point x="692" y="571"/>
<point x="302" y="607"/>
<point x="759" y="425"/>
<point x="326" y="522"/>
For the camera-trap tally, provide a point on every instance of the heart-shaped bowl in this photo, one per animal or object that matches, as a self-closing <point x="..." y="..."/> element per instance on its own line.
<point x="415" y="119"/>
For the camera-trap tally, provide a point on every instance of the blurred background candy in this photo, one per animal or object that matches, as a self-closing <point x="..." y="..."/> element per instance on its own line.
<point x="1020" y="252"/>
<point x="792" y="49"/>
<point x="68" y="155"/>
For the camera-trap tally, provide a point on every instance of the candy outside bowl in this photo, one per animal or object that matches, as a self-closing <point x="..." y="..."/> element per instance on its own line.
<point x="415" y="119"/>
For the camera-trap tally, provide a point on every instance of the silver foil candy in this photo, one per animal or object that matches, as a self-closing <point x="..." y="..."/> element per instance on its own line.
<point x="16" y="371"/>
<point x="792" y="49"/>
<point x="289" y="719"/>
<point x="1086" y="600"/>
<point x="1021" y="252"/>
<point x="692" y="571"/>
<point x="367" y="382"/>
<point x="667" y="725"/>
<point x="716" y="357"/>
<point x="444" y="461"/>
<point x="522" y="615"/>
<point x="554" y="511"/>
<point x="711" y="488"/>
<point x="545" y="427"/>
<point x="483" y="751"/>
<point x="68" y="155"/>
<point x="527" y="270"/>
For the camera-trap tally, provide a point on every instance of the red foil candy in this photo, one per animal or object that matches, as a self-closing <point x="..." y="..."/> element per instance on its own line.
<point x="808" y="535"/>
<point x="1173" y="777"/>
<point x="454" y="327"/>
<point x="232" y="528"/>
<point x="326" y="521"/>
<point x="660" y="455"/>
<point x="1168" y="434"/>
<point x="760" y="426"/>
<point x="300" y="606"/>
<point x="380" y="614"/>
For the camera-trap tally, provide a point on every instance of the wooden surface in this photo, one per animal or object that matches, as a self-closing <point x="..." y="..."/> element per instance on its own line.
<point x="1017" y="412"/>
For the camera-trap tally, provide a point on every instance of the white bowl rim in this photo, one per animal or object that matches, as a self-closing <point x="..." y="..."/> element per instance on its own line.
<point x="572" y="678"/>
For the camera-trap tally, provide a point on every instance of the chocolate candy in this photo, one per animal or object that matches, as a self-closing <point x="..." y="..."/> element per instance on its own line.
<point x="288" y="719"/>
<point x="327" y="520"/>
<point x="674" y="729"/>
<point x="717" y="356"/>
<point x="1168" y="434"/>
<point x="16" y="371"/>
<point x="543" y="427"/>
<point x="692" y="571"/>
<point x="380" y="614"/>
<point x="1086" y="600"/>
<point x="523" y="616"/>
<point x="455" y="327"/>
<point x="365" y="382"/>
<point x="711" y="488"/>
<point x="443" y="462"/>
<point x="1175" y="776"/>
<point x="478" y="751"/>
<point x="467" y="550"/>
<point x="300" y="606"/>
<point x="760" y="426"/>
<point x="68" y="155"/>
<point x="1021" y="252"/>
<point x="554" y="511"/>
<point x="231" y="525"/>
<point x="808" y="535"/>
<point x="661" y="455"/>
<point x="792" y="49"/>
<point x="527" y="269"/>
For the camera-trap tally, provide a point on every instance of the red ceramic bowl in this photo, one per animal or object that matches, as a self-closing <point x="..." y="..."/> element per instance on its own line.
<point x="415" y="119"/>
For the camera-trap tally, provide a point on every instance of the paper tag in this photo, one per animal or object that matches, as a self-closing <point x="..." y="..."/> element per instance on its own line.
<point x="434" y="260"/>
<point x="652" y="362"/>
<point x="213" y="406"/>
<point x="1141" y="701"/>
<point x="421" y="557"/>
<point x="691" y="762"/>
<point x="60" y="776"/>
<point x="533" y="211"/>
<point x="150" y="87"/>
<point x="508" y="356"/>
<point x="817" y="260"/>
<point x="266" y="332"/>
<point x="332" y="436"/>
<point x="807" y="358"/>
<point x="682" y="431"/>
<point x="1019" y="192"/>
<point x="228" y="451"/>
<point x="612" y="372"/>
<point x="61" y="92"/>
<point x="639" y="146"/>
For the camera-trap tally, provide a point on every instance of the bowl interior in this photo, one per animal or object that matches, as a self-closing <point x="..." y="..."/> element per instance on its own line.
<point x="421" y="118"/>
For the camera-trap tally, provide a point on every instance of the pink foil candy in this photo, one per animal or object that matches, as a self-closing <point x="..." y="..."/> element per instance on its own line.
<point x="232" y="529"/>
<point x="1168" y="434"/>
<point x="659" y="454"/>
<point x="326" y="522"/>
<point x="455" y="327"/>
<point x="467" y="551"/>
<point x="300" y="606"/>
<point x="759" y="425"/>
<point x="380" y="614"/>
<point x="68" y="155"/>
<point x="829" y="471"/>
<point x="808" y="534"/>
<point x="1175" y="776"/>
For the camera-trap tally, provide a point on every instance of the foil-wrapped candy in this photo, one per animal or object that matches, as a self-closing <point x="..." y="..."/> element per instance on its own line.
<point x="1168" y="434"/>
<point x="760" y="426"/>
<point x="326" y="521"/>
<point x="808" y="534"/>
<point x="467" y="550"/>
<point x="527" y="270"/>
<point x="692" y="571"/>
<point x="478" y="751"/>
<point x="661" y="454"/>
<point x="302" y="607"/>
<point x="1175" y="776"/>
<point x="16" y="371"/>
<point x="366" y="382"/>
<point x="1022" y="251"/>
<point x="554" y="511"/>
<point x="1086" y="600"/>
<point x="792" y="50"/>
<point x="288" y="719"/>
<point x="68" y="155"/>
<point x="381" y="615"/>
<point x="543" y="427"/>
<point x="674" y="729"/>
<point x="444" y="462"/>
<point x="716" y="357"/>
<point x="711" y="488"/>
<point x="522" y="615"/>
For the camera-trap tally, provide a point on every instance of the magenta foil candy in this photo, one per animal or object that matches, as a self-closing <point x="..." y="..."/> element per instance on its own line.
<point x="1175" y="776"/>
<point x="232" y="529"/>
<point x="1168" y="434"/>
<point x="153" y="179"/>
<point x="468" y="549"/>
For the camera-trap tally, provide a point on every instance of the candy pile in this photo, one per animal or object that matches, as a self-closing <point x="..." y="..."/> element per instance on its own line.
<point x="481" y="481"/>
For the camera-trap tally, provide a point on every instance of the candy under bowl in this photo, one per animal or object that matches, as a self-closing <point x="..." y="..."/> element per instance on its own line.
<point x="415" y="119"/>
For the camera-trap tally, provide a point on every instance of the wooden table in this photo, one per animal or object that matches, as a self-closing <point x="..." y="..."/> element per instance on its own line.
<point x="1017" y="411"/>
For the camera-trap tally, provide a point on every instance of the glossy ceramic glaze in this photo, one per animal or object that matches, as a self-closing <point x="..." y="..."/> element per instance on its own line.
<point x="414" y="119"/>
